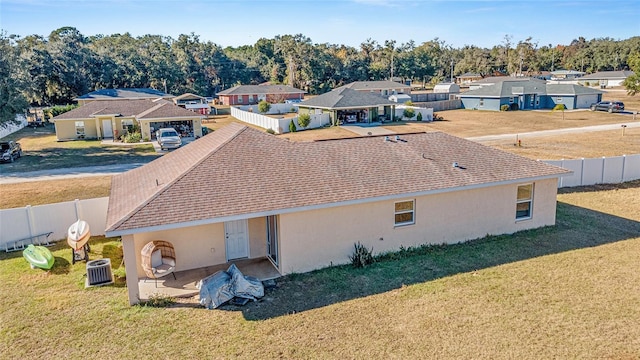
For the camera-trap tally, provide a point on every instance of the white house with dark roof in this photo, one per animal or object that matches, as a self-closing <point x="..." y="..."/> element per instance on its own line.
<point x="114" y="118"/>
<point x="345" y="105"/>
<point x="606" y="78"/>
<point x="253" y="94"/>
<point x="380" y="87"/>
<point x="122" y="94"/>
<point x="303" y="205"/>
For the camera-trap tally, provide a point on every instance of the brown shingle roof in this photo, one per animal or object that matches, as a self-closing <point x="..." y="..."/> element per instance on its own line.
<point x="238" y="171"/>
<point x="144" y="108"/>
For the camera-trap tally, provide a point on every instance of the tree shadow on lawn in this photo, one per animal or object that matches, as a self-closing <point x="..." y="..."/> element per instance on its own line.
<point x="575" y="228"/>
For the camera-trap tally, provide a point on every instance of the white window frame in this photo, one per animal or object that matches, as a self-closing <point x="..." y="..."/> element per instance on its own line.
<point x="481" y="101"/>
<point x="412" y="212"/>
<point x="511" y="100"/>
<point x="239" y="99"/>
<point x="524" y="201"/>
<point x="80" y="125"/>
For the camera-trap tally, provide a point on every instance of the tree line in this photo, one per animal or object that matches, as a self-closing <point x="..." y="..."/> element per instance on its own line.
<point x="53" y="70"/>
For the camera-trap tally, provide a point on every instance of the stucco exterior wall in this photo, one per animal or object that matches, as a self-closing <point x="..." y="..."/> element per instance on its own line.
<point x="319" y="238"/>
<point x="204" y="245"/>
<point x="474" y="103"/>
<point x="66" y="129"/>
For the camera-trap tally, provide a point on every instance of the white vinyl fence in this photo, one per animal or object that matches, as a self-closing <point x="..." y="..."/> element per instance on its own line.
<point x="427" y="113"/>
<point x="24" y="223"/>
<point x="608" y="170"/>
<point x="11" y="128"/>
<point x="281" y="125"/>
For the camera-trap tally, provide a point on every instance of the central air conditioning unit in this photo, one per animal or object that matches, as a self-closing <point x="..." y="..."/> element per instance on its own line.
<point x="99" y="272"/>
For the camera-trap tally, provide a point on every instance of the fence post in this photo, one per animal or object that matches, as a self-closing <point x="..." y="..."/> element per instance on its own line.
<point x="78" y="207"/>
<point x="30" y="220"/>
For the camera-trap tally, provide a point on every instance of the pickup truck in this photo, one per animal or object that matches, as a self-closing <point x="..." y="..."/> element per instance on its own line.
<point x="11" y="150"/>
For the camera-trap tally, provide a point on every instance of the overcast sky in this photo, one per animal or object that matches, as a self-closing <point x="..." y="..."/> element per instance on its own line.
<point x="349" y="22"/>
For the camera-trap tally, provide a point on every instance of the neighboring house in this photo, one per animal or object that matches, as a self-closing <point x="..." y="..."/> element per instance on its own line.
<point x="253" y="94"/>
<point x="467" y="78"/>
<point x="111" y="119"/>
<point x="122" y="94"/>
<point x="606" y="78"/>
<point x="303" y="205"/>
<point x="382" y="87"/>
<point x="529" y="94"/>
<point x="193" y="102"/>
<point x="566" y="74"/>
<point x="345" y="105"/>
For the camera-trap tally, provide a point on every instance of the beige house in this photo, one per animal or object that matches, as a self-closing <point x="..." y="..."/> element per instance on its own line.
<point x="114" y="118"/>
<point x="303" y="205"/>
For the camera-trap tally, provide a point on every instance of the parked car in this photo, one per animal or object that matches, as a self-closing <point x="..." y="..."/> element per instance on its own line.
<point x="168" y="138"/>
<point x="610" y="106"/>
<point x="11" y="150"/>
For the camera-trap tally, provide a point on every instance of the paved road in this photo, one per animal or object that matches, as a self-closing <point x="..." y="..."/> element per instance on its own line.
<point x="67" y="173"/>
<point x="541" y="133"/>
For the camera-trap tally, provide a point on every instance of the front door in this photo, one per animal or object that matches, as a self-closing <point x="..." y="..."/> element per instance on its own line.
<point x="107" y="129"/>
<point x="237" y="239"/>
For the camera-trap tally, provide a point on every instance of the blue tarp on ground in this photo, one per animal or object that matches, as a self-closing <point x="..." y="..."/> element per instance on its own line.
<point x="223" y="286"/>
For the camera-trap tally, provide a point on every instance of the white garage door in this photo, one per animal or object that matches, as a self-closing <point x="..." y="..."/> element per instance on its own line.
<point x="584" y="101"/>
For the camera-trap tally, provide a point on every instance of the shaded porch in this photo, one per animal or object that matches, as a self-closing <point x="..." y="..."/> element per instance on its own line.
<point x="185" y="283"/>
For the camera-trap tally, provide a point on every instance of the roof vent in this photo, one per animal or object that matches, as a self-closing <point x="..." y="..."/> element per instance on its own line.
<point x="455" y="164"/>
<point x="386" y="138"/>
<point x="397" y="137"/>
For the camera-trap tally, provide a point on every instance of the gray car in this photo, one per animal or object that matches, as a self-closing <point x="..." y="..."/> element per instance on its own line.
<point x="168" y="138"/>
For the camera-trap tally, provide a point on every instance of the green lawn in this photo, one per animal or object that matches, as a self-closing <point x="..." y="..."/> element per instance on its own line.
<point x="568" y="291"/>
<point x="42" y="151"/>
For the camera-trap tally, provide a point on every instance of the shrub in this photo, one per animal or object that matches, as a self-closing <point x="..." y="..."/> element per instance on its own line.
<point x="504" y="107"/>
<point x="263" y="106"/>
<point x="270" y="131"/>
<point x="361" y="256"/>
<point x="304" y="120"/>
<point x="437" y="117"/>
<point x="419" y="117"/>
<point x="396" y="118"/>
<point x="292" y="126"/>
<point x="409" y="113"/>
<point x="132" y="137"/>
<point x="408" y="103"/>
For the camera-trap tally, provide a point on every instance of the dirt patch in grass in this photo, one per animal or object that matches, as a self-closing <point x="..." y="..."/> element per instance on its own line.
<point x="53" y="191"/>
<point x="574" y="146"/>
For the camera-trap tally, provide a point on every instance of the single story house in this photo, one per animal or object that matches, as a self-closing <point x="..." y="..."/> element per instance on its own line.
<point x="566" y="74"/>
<point x="303" y="205"/>
<point x="193" y="102"/>
<point x="345" y="105"/>
<point x="112" y="119"/>
<point x="529" y="93"/>
<point x="467" y="78"/>
<point x="382" y="87"/>
<point x="606" y="78"/>
<point x="253" y="94"/>
<point x="122" y="94"/>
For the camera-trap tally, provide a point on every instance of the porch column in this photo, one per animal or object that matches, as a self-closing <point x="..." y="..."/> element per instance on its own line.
<point x="98" y="128"/>
<point x="131" y="266"/>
